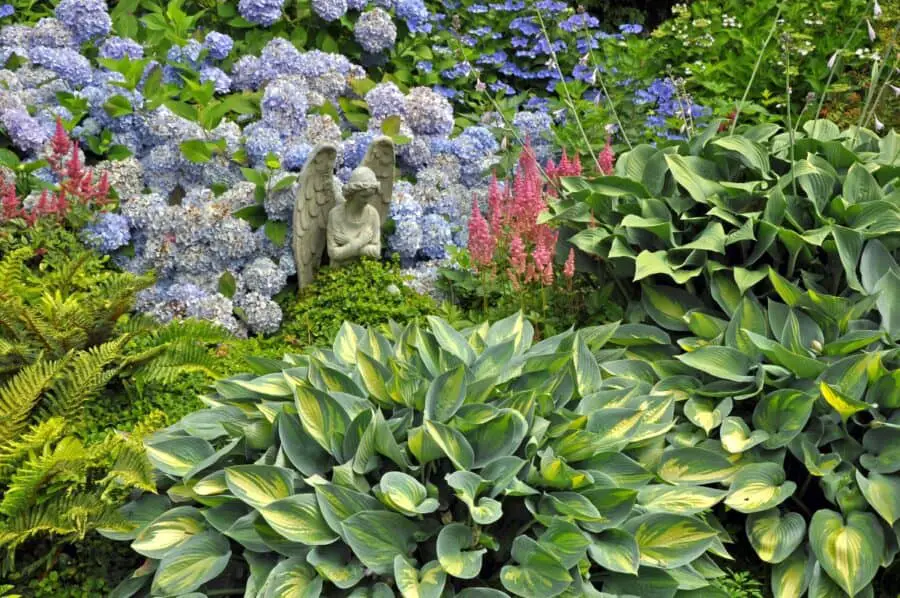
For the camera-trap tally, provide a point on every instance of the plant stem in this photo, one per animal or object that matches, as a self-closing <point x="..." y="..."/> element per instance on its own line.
<point x="612" y="105"/>
<point x="790" y="125"/>
<point x="740" y="106"/>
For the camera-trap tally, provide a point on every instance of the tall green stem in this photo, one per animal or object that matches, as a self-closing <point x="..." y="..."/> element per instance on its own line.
<point x="740" y="106"/>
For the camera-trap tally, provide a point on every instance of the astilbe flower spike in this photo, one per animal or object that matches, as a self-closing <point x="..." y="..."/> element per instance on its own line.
<point x="11" y="206"/>
<point x="607" y="159"/>
<point x="481" y="243"/>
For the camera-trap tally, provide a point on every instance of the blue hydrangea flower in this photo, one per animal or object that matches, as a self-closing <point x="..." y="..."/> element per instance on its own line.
<point x="218" y="45"/>
<point x="284" y="105"/>
<point x="415" y="14"/>
<point x="436" y="236"/>
<point x="261" y="313"/>
<point x="221" y="81"/>
<point x="52" y="33"/>
<point x="425" y="66"/>
<point x="107" y="233"/>
<point x="263" y="276"/>
<point x="261" y="12"/>
<point x="7" y="10"/>
<point x="24" y="130"/>
<point x="384" y="100"/>
<point x="357" y="4"/>
<point x="295" y="156"/>
<point x="329" y="10"/>
<point x="117" y="48"/>
<point x="428" y="113"/>
<point x="87" y="19"/>
<point x="632" y="29"/>
<point x="69" y="65"/>
<point x="375" y="31"/>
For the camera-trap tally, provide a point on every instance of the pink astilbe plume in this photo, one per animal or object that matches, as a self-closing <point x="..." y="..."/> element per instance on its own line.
<point x="607" y="159"/>
<point x="481" y="243"/>
<point x="11" y="205"/>
<point x="569" y="268"/>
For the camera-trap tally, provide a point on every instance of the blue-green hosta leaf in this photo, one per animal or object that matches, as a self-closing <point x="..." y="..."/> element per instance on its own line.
<point x="736" y="435"/>
<point x="883" y="493"/>
<point x="138" y="514"/>
<point x="412" y="583"/>
<point x="207" y="423"/>
<point x="298" y="519"/>
<point x="405" y="494"/>
<point x="783" y="414"/>
<point x="346" y="342"/>
<point x="882" y="450"/>
<point x="497" y="437"/>
<point x="446" y="394"/>
<point x="222" y="517"/>
<point x="189" y="566"/>
<point x="888" y="289"/>
<point x="168" y="531"/>
<point x="615" y="550"/>
<point x="261" y="566"/>
<point x="751" y="154"/>
<point x="270" y="385"/>
<point x="681" y="500"/>
<point x="844" y="405"/>
<point x="259" y="485"/>
<point x="649" y="583"/>
<point x="712" y="238"/>
<point x="375" y="377"/>
<point x="668" y="541"/>
<point x="720" y="362"/>
<point x="376" y="537"/>
<point x="706" y="413"/>
<point x="775" y="536"/>
<point x="322" y="417"/>
<point x="693" y="465"/>
<point x="468" y="486"/>
<point x="758" y="487"/>
<point x="687" y="172"/>
<point x="648" y="263"/>
<point x="822" y="586"/>
<point x="848" y="550"/>
<point x="301" y="449"/>
<point x="587" y="373"/>
<point x="338" y="504"/>
<point x="802" y="366"/>
<point x="539" y="573"/>
<point x="292" y="578"/>
<point x="454" y="552"/>
<point x="453" y="444"/>
<point x="450" y="340"/>
<point x="515" y="328"/>
<point x="177" y="456"/>
<point x="790" y="577"/>
<point x="704" y="325"/>
<point x="566" y="541"/>
<point x="860" y="186"/>
<point x="245" y="532"/>
<point x="337" y="564"/>
<point x="668" y="306"/>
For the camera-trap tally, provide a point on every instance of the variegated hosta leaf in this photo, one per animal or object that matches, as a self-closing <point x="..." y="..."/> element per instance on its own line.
<point x="706" y="413"/>
<point x="454" y="552"/>
<point x="177" y="456"/>
<point x="192" y="564"/>
<point x="336" y="564"/>
<point x="758" y="487"/>
<point x="883" y="493"/>
<point x="376" y="537"/>
<point x="404" y="493"/>
<point x="428" y="583"/>
<point x="720" y="362"/>
<point x="468" y="486"/>
<point x="615" y="550"/>
<point x="292" y="578"/>
<point x="848" y="549"/>
<point x="773" y="536"/>
<point x="668" y="541"/>
<point x="822" y="586"/>
<point x="844" y="405"/>
<point x="791" y="577"/>
<point x="298" y="519"/>
<point x="259" y="485"/>
<point x="783" y="414"/>
<point x="736" y="435"/>
<point x="694" y="466"/>
<point x="539" y="572"/>
<point x="139" y="514"/>
<point x="168" y="531"/>
<point x="683" y="500"/>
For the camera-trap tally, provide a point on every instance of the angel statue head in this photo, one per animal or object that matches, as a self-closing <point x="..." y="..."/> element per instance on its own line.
<point x="363" y="185"/>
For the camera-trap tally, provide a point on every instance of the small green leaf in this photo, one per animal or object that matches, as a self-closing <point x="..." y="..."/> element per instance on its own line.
<point x="453" y="551"/>
<point x="773" y="536"/>
<point x="848" y="549"/>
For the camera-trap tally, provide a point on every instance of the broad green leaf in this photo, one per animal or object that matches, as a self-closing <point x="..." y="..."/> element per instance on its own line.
<point x="848" y="549"/>
<point x="849" y="245"/>
<point x="883" y="493"/>
<point x="669" y="541"/>
<point x="750" y="153"/>
<point x="376" y="537"/>
<point x="168" y="531"/>
<point x="720" y="362"/>
<point x="139" y="514"/>
<point x="775" y="536"/>
<point x="759" y="487"/>
<point x="681" y="500"/>
<point x="649" y="263"/>
<point x="298" y="519"/>
<point x="189" y="566"/>
<point x="292" y="578"/>
<point x="453" y="444"/>
<point x="693" y="465"/>
<point x="496" y="438"/>
<point x="668" y="306"/>
<point x="566" y="541"/>
<point x="429" y="583"/>
<point x="446" y="394"/>
<point x="177" y="456"/>
<point x="539" y="573"/>
<point x="259" y="485"/>
<point x="844" y="405"/>
<point x="790" y="577"/>
<point x="802" y="366"/>
<point x="712" y="238"/>
<point x="736" y="435"/>
<point x="468" y="486"/>
<point x="706" y="413"/>
<point x="649" y="583"/>
<point x="454" y="552"/>
<point x="336" y="564"/>
<point x="301" y="449"/>
<point x="322" y="417"/>
<point x="587" y="373"/>
<point x="860" y="186"/>
<point x="687" y="175"/>
<point x="404" y="493"/>
<point x="450" y="340"/>
<point x="338" y="504"/>
<point x="375" y="377"/>
<point x="783" y="414"/>
<point x="615" y="550"/>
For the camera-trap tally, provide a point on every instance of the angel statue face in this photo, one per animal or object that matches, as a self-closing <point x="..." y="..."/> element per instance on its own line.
<point x="383" y="153"/>
<point x="363" y="186"/>
<point x="324" y="161"/>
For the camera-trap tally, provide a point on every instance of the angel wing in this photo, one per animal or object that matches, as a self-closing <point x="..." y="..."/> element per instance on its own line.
<point x="380" y="158"/>
<point x="316" y="196"/>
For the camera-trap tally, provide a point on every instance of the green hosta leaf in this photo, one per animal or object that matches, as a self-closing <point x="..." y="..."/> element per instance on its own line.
<point x="883" y="493"/>
<point x="790" y="577"/>
<point x="704" y="325"/>
<point x="302" y="451"/>
<point x="177" y="456"/>
<point x="720" y="362"/>
<point x="189" y="566"/>
<point x="712" y="238"/>
<point x="322" y="417"/>
<point x="681" y="500"/>
<point x="450" y="340"/>
<point x="802" y="366"/>
<point x="337" y="504"/>
<point x="848" y="550"/>
<point x="337" y="564"/>
<point x="298" y="519"/>
<point x="453" y="552"/>
<point x="468" y="486"/>
<point x="139" y="514"/>
<point x="649" y="583"/>
<point x="649" y="263"/>
<point x="693" y="465"/>
<point x="446" y="394"/>
<point x="783" y="414"/>
<point x="404" y="493"/>
<point x="259" y="485"/>
<point x="758" y="487"/>
<point x="615" y="550"/>
<point x="539" y="573"/>
<point x="849" y="245"/>
<point x="737" y="437"/>
<point x="750" y="153"/>
<point x="376" y="537"/>
<point x="566" y="541"/>
<point x="822" y="586"/>
<point x="669" y="541"/>
<point x="844" y="405"/>
<point x="375" y="377"/>
<point x="453" y="444"/>
<point x="168" y="531"/>
<point x="860" y="186"/>
<point x="587" y="373"/>
<point x="773" y="536"/>
<point x="496" y="438"/>
<point x="687" y="174"/>
<point x="515" y="328"/>
<point x="292" y="578"/>
<point x="668" y="306"/>
<point x="707" y="414"/>
<point x="429" y="583"/>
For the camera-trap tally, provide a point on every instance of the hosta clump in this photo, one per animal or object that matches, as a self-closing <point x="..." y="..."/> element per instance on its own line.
<point x="428" y="462"/>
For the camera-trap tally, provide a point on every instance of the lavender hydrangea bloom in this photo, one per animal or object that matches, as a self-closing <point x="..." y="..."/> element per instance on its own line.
<point x="329" y="10"/>
<point x="375" y="31"/>
<point x="284" y="105"/>
<point x="295" y="156"/>
<point x="261" y="12"/>
<point x="354" y="148"/>
<point x="51" y="33"/>
<point x="117" y="48"/>
<point x="87" y="19"/>
<point x="436" y="236"/>
<point x="406" y="213"/>
<point x="428" y="113"/>
<point x="261" y="313"/>
<point x="218" y="45"/>
<point x="356" y="4"/>
<point x="263" y="276"/>
<point x="384" y="100"/>
<point x="415" y="14"/>
<point x="69" y="65"/>
<point x="108" y="233"/>
<point x="221" y="81"/>
<point x="25" y="131"/>
<point x="7" y="10"/>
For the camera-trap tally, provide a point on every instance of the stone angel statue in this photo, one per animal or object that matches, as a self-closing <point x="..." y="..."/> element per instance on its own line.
<point x="380" y="160"/>
<point x="354" y="226"/>
<point x="319" y="191"/>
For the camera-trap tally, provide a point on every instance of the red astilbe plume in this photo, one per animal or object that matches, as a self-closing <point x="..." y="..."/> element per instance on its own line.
<point x="481" y="242"/>
<point x="606" y="161"/>
<point x="10" y="205"/>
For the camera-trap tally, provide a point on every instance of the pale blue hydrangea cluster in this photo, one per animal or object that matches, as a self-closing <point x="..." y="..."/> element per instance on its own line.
<point x="375" y="31"/>
<point x="86" y="19"/>
<point x="108" y="232"/>
<point x="329" y="10"/>
<point x="261" y="12"/>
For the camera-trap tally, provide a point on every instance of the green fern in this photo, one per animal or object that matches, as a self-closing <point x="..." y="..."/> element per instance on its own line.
<point x="65" y="462"/>
<point x="20" y="395"/>
<point x="15" y="453"/>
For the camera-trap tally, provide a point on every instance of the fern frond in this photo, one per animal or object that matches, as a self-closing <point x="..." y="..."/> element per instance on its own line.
<point x="179" y="360"/>
<point x="191" y="331"/>
<point x="13" y="271"/>
<point x="17" y="451"/>
<point x="131" y="469"/>
<point x="66" y="460"/>
<point x="85" y="377"/>
<point x="20" y="395"/>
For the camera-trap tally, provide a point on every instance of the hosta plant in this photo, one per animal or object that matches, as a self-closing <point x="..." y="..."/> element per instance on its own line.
<point x="431" y="463"/>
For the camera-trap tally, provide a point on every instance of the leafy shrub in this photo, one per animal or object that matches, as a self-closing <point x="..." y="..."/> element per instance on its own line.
<point x="431" y="460"/>
<point x="369" y="292"/>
